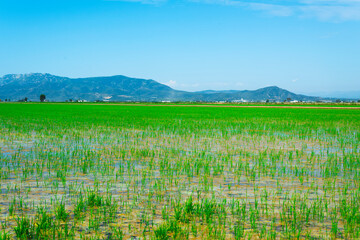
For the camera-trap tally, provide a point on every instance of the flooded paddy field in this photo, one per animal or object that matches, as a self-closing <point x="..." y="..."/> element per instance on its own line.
<point x="145" y="172"/>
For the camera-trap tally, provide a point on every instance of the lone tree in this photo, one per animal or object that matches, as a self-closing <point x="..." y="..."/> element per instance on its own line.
<point x="42" y="97"/>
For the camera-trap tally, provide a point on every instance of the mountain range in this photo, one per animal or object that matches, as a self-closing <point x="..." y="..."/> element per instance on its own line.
<point x="121" y="88"/>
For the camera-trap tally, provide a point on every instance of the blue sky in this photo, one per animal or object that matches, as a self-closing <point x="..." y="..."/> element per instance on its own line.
<point x="306" y="46"/>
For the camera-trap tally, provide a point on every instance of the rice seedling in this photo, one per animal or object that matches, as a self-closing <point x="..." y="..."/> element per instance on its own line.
<point x="140" y="172"/>
<point x="24" y="228"/>
<point x="4" y="235"/>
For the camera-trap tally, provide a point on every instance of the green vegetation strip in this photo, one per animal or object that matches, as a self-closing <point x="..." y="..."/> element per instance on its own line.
<point x="102" y="171"/>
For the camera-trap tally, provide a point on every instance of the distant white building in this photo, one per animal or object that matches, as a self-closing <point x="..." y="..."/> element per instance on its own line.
<point x="240" y="101"/>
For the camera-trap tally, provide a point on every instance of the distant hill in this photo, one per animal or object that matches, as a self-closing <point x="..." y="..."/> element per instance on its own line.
<point x="115" y="88"/>
<point x="122" y="88"/>
<point x="272" y="93"/>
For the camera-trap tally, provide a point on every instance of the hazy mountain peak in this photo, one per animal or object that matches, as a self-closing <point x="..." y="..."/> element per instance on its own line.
<point x="122" y="88"/>
<point x="27" y="75"/>
<point x="271" y="88"/>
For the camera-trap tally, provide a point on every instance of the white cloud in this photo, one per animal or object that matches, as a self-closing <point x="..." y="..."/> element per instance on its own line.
<point x="154" y="2"/>
<point x="333" y="10"/>
<point x="277" y="10"/>
<point x="326" y="10"/>
<point x="171" y="83"/>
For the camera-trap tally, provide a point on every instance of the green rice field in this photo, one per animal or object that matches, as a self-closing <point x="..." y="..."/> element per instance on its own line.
<point x="77" y="171"/>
